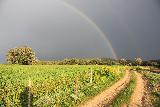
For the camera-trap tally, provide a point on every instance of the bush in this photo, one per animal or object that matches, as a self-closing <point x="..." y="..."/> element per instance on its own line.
<point x="22" y="55"/>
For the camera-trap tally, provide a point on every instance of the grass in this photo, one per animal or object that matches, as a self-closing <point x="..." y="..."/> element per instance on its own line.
<point x="124" y="96"/>
<point x="54" y="85"/>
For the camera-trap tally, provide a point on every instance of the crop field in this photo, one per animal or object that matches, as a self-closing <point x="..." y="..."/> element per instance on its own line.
<point x="77" y="85"/>
<point x="153" y="85"/>
<point x="54" y="85"/>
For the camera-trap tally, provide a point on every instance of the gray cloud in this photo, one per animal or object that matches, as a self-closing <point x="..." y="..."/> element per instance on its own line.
<point x="133" y="26"/>
<point x="55" y="31"/>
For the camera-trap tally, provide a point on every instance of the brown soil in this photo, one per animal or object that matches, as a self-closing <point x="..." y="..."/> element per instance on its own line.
<point x="156" y="71"/>
<point x="138" y="94"/>
<point x="148" y="98"/>
<point x="107" y="96"/>
<point x="146" y="101"/>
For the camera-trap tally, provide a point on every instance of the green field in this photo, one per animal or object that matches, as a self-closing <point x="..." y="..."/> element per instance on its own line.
<point x="54" y="85"/>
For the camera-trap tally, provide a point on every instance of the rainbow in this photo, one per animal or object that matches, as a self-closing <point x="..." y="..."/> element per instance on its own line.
<point x="92" y="23"/>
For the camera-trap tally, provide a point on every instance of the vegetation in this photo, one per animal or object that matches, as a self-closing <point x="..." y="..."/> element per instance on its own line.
<point x="64" y="82"/>
<point x="138" y="61"/>
<point x="124" y="96"/>
<point x="66" y="85"/>
<point x="80" y="61"/>
<point x="153" y="87"/>
<point x="26" y="56"/>
<point x="22" y="55"/>
<point x="98" y="61"/>
<point x="123" y="61"/>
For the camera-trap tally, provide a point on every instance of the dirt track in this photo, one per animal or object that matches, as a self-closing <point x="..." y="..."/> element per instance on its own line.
<point x="136" y="98"/>
<point x="104" y="98"/>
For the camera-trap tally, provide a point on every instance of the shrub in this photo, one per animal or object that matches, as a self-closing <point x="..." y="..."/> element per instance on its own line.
<point x="22" y="55"/>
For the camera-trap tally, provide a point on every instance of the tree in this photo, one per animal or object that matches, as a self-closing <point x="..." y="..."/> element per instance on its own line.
<point x="123" y="61"/>
<point x="155" y="64"/>
<point x="138" y="61"/>
<point x="23" y="55"/>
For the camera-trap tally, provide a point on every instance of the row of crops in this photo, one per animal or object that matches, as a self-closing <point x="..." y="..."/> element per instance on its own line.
<point x="153" y="87"/>
<point x="54" y="85"/>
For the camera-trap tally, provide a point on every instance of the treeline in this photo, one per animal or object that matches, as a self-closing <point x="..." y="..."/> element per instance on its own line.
<point x="24" y="55"/>
<point x="98" y="61"/>
<point x="80" y="61"/>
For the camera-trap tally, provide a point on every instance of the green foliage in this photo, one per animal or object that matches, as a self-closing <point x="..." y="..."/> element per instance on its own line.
<point x="138" y="68"/>
<point x="138" y="61"/>
<point x="153" y="77"/>
<point x="22" y="55"/>
<point x="98" y="61"/>
<point x="123" y="61"/>
<point x="80" y="61"/>
<point x="57" y="85"/>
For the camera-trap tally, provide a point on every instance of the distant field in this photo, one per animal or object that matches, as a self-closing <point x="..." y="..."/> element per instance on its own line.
<point x="56" y="85"/>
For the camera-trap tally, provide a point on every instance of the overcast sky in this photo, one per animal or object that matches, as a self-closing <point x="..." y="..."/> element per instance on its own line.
<point x="54" y="30"/>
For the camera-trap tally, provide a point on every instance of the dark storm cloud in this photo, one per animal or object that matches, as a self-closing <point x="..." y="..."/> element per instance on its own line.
<point x="52" y="29"/>
<point x="55" y="31"/>
<point x="133" y="26"/>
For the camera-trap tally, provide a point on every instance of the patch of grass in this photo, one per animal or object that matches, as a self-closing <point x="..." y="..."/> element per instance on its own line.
<point x="124" y="96"/>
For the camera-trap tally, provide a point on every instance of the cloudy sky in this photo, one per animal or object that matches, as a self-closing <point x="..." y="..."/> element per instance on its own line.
<point x="56" y="29"/>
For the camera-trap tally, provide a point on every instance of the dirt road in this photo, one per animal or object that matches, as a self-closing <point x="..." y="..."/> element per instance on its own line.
<point x="105" y="97"/>
<point x="136" y="98"/>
